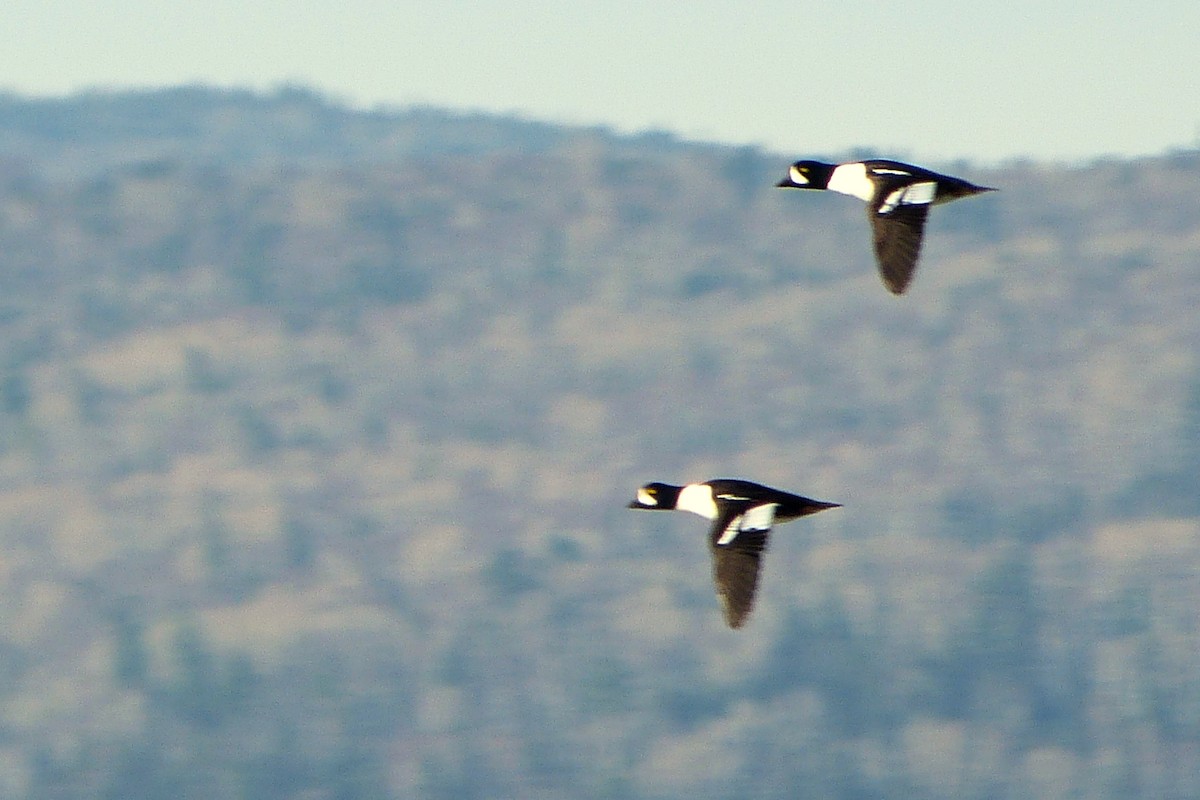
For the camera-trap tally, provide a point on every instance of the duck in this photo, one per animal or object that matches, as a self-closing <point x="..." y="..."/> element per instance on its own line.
<point x="742" y="514"/>
<point x="898" y="198"/>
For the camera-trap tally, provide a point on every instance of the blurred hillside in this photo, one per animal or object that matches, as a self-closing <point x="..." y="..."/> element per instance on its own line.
<point x="317" y="429"/>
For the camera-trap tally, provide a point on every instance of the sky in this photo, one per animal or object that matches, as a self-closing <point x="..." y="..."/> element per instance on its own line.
<point x="936" y="80"/>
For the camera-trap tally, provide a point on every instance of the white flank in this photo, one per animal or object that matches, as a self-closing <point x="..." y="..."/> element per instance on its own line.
<point x="646" y="499"/>
<point x="797" y="176"/>
<point x="698" y="499"/>
<point x="852" y="179"/>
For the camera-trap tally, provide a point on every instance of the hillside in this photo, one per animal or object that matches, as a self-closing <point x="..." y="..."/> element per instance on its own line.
<point x="317" y="429"/>
<point x="90" y="134"/>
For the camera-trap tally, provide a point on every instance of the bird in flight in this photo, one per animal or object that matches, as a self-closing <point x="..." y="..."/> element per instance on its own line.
<point x="742" y="514"/>
<point x="898" y="197"/>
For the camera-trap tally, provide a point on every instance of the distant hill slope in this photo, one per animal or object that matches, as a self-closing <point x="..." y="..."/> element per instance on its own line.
<point x="89" y="133"/>
<point x="317" y="428"/>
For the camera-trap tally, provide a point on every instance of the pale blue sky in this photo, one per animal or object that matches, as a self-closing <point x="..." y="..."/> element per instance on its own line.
<point x="935" y="80"/>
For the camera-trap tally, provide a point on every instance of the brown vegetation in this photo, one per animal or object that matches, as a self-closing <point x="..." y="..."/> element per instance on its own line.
<point x="313" y="463"/>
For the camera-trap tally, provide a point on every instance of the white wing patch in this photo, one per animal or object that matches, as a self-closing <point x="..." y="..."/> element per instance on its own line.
<point x="731" y="531"/>
<point x="891" y="201"/>
<point x="916" y="194"/>
<point x="758" y="518"/>
<point x="920" y="193"/>
<point x="887" y="171"/>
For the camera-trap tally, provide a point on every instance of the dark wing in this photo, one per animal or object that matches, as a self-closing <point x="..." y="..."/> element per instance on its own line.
<point x="737" y="553"/>
<point x="897" y="224"/>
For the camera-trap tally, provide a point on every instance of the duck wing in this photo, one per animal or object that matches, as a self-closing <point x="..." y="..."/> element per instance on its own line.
<point x="898" y="225"/>
<point x="737" y="541"/>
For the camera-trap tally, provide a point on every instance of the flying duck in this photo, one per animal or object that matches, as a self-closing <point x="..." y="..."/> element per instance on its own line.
<point x="742" y="514"/>
<point x="898" y="197"/>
